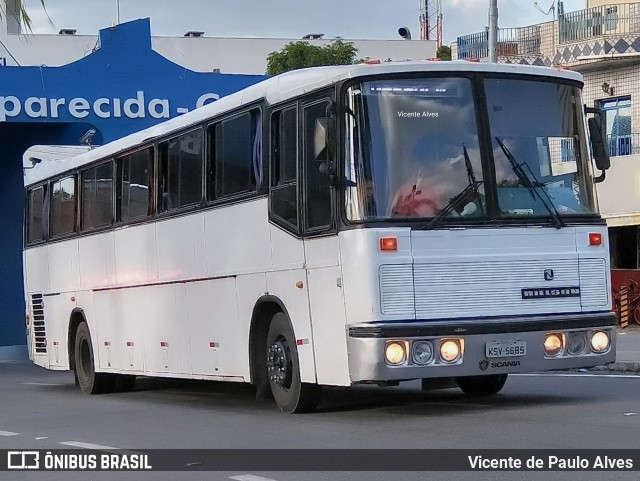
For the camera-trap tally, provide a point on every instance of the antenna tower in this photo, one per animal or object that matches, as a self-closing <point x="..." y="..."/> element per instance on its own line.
<point x="431" y="20"/>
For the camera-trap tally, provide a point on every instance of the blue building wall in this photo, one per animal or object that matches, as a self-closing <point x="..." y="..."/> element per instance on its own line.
<point x="122" y="87"/>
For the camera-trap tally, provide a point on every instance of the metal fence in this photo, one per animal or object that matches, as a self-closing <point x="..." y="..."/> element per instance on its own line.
<point x="624" y="144"/>
<point x="614" y="19"/>
<point x="511" y="42"/>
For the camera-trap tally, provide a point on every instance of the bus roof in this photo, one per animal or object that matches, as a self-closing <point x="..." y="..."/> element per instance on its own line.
<point x="278" y="89"/>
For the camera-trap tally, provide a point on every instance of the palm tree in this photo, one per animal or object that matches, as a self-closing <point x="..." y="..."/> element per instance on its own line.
<point x="22" y="14"/>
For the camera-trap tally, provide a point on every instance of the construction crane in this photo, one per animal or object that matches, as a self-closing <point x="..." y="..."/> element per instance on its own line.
<point x="431" y="20"/>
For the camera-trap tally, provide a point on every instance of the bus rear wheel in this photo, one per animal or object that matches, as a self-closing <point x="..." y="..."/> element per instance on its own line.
<point x="482" y="385"/>
<point x="283" y="369"/>
<point x="89" y="381"/>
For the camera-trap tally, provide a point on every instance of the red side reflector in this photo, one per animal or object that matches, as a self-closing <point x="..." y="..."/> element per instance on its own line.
<point x="164" y="344"/>
<point x="595" y="239"/>
<point x="388" y="244"/>
<point x="130" y="344"/>
<point x="213" y="344"/>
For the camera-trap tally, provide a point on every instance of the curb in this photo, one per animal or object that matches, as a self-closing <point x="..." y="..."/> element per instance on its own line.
<point x="624" y="366"/>
<point x="619" y="367"/>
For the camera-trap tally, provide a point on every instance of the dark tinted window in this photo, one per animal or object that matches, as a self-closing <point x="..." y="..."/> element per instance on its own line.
<point x="97" y="196"/>
<point x="284" y="159"/>
<point x="318" y="199"/>
<point x="63" y="206"/>
<point x="36" y="227"/>
<point x="180" y="174"/>
<point x="287" y="147"/>
<point x="135" y="172"/>
<point x="235" y="166"/>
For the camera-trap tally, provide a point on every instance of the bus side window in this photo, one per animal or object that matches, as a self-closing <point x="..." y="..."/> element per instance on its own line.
<point x="180" y="171"/>
<point x="283" y="193"/>
<point x="97" y="196"/>
<point x="235" y="156"/>
<point x="318" y="194"/>
<point x="63" y="207"/>
<point x="37" y="225"/>
<point x="134" y="192"/>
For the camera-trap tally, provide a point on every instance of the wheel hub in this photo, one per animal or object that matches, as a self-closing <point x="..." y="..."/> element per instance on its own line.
<point x="279" y="365"/>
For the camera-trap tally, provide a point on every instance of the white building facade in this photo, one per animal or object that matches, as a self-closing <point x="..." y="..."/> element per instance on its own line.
<point x="195" y="52"/>
<point x="602" y="42"/>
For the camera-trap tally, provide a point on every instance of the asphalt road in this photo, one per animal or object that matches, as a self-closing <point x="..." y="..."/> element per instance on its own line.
<point x="42" y="409"/>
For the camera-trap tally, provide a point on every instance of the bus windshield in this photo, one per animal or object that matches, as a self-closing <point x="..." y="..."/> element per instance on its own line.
<point x="413" y="151"/>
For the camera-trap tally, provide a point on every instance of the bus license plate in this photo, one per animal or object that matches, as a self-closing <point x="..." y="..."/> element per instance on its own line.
<point x="506" y="348"/>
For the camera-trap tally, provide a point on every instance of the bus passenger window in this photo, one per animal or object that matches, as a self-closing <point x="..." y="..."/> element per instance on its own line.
<point x="180" y="174"/>
<point x="134" y="185"/>
<point x="236" y="155"/>
<point x="63" y="207"/>
<point x="97" y="196"/>
<point x="36" y="227"/>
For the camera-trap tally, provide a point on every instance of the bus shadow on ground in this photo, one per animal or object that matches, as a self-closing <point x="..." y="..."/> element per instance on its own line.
<point x="396" y="400"/>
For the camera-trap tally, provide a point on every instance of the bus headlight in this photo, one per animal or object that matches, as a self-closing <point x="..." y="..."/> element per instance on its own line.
<point x="600" y="341"/>
<point x="395" y="352"/>
<point x="450" y="350"/>
<point x="422" y="352"/>
<point x="553" y="344"/>
<point x="577" y="343"/>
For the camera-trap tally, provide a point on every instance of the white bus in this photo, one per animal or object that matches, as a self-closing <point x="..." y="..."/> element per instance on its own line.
<point x="330" y="226"/>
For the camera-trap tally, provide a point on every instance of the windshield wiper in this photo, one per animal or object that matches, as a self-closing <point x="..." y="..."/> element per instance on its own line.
<point x="463" y="196"/>
<point x="534" y="187"/>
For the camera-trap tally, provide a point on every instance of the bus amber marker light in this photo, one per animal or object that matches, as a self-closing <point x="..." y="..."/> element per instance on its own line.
<point x="595" y="239"/>
<point x="388" y="244"/>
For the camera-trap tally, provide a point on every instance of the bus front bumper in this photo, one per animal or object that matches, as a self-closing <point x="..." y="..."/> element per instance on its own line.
<point x="493" y="346"/>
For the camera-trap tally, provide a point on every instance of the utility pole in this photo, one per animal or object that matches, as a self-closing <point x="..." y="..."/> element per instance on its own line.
<point x="493" y="31"/>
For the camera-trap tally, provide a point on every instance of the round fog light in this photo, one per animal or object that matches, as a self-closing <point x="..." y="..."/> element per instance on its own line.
<point x="450" y="351"/>
<point x="394" y="352"/>
<point x="600" y="341"/>
<point x="422" y="352"/>
<point x="553" y="344"/>
<point x="576" y="343"/>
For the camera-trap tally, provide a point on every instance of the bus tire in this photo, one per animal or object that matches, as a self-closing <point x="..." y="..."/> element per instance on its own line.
<point x="482" y="385"/>
<point x="283" y="369"/>
<point x="87" y="379"/>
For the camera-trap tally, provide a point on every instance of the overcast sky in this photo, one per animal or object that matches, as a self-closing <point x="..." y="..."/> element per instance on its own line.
<point x="356" y="19"/>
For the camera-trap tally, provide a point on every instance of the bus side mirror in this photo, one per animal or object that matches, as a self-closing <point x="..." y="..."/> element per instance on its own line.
<point x="598" y="142"/>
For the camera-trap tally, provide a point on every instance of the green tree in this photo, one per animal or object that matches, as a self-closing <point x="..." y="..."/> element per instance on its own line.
<point x="302" y="54"/>
<point x="444" y="52"/>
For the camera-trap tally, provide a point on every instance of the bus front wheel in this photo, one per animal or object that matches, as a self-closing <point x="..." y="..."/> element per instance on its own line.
<point x="283" y="369"/>
<point x="89" y="381"/>
<point x="482" y="385"/>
